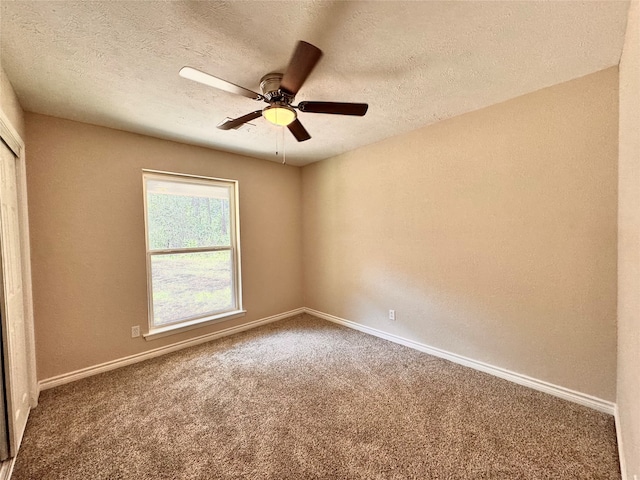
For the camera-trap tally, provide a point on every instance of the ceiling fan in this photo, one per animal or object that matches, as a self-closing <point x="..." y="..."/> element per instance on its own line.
<point x="279" y="91"/>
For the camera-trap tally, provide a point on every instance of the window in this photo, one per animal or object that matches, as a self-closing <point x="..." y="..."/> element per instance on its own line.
<point x="193" y="255"/>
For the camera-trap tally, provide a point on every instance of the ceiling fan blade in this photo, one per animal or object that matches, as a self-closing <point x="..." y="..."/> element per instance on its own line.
<point x="205" y="78"/>
<point x="304" y="58"/>
<point x="236" y="122"/>
<point x="298" y="131"/>
<point x="336" y="108"/>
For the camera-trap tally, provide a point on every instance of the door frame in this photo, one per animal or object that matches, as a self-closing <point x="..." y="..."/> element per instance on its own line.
<point x="10" y="136"/>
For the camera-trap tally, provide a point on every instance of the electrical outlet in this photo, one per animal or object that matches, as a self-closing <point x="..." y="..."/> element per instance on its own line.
<point x="135" y="331"/>
<point x="392" y="315"/>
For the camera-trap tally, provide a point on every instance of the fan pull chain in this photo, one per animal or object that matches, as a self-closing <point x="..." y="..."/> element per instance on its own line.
<point x="284" y="150"/>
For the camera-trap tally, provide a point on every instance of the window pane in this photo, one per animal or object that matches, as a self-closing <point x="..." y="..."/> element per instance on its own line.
<point x="191" y="284"/>
<point x="187" y="215"/>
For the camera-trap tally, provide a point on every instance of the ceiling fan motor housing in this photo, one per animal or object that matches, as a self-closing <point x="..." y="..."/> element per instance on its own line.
<point x="270" y="87"/>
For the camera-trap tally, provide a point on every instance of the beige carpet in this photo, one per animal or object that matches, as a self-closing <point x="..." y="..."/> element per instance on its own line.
<point x="306" y="399"/>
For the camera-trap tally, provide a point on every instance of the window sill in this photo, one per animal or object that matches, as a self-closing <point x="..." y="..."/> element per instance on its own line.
<point x="190" y="325"/>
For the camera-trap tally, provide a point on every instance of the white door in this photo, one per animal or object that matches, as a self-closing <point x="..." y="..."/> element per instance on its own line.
<point x="12" y="302"/>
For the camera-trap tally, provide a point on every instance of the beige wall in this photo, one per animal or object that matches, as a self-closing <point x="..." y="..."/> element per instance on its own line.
<point x="492" y="234"/>
<point x="629" y="246"/>
<point x="9" y="104"/>
<point x="87" y="237"/>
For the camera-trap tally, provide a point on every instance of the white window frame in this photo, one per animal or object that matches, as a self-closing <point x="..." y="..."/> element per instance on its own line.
<point x="196" y="321"/>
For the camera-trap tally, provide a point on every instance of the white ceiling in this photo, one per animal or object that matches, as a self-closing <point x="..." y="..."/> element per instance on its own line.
<point x="116" y="63"/>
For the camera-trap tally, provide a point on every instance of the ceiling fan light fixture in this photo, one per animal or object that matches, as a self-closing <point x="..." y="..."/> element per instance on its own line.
<point x="281" y="115"/>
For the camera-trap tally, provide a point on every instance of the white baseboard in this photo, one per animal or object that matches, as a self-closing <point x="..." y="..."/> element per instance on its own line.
<point x="556" y="390"/>
<point x="623" y="463"/>
<point x="156" y="352"/>
<point x="6" y="468"/>
<point x="546" y="387"/>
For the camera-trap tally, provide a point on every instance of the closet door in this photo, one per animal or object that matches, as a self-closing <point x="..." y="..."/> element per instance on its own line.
<point x="12" y="312"/>
<point x="4" y="428"/>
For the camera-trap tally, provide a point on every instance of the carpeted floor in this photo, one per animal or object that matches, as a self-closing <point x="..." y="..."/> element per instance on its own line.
<point x="307" y="399"/>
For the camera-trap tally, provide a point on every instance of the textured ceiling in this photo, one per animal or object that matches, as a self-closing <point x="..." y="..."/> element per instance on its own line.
<point x="116" y="63"/>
